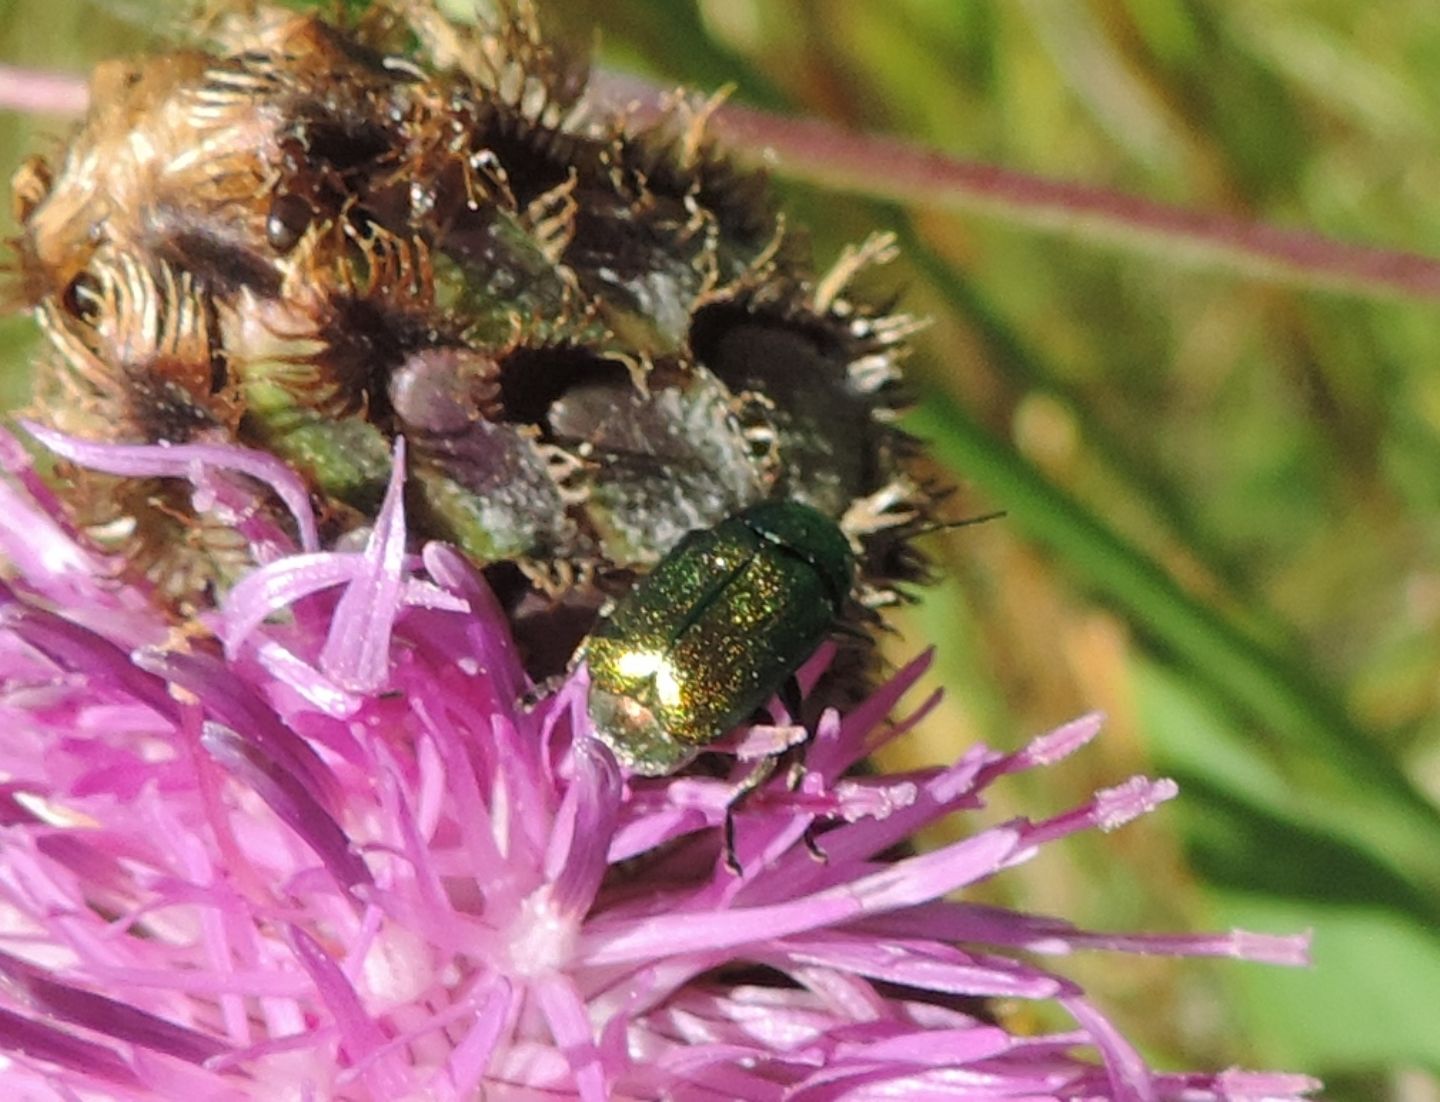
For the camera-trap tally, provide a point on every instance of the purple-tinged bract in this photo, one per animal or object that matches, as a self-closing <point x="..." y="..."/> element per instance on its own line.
<point x="596" y="333"/>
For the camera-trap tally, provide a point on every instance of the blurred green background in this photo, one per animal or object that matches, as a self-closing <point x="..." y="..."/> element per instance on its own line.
<point x="1222" y="489"/>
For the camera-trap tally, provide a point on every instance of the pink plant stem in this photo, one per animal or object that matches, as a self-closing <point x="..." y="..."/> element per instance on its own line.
<point x="33" y="92"/>
<point x="886" y="168"/>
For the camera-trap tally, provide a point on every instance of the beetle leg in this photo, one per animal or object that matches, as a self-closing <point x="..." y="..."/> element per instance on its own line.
<point x="732" y="862"/>
<point x="792" y="696"/>
<point x="794" y="777"/>
<point x="812" y="846"/>
<point x="536" y="693"/>
<point x="763" y="771"/>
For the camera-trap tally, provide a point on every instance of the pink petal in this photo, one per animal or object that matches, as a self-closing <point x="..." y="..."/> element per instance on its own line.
<point x="187" y="461"/>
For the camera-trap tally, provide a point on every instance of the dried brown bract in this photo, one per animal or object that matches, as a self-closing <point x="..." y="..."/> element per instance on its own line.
<point x="595" y="335"/>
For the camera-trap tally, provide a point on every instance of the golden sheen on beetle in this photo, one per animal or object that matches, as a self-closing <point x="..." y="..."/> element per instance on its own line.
<point x="714" y="632"/>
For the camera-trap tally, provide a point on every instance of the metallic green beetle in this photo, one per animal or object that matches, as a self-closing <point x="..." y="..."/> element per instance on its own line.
<point x="715" y="631"/>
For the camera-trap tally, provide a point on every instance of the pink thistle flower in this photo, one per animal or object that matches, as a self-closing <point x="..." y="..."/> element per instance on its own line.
<point x="334" y="855"/>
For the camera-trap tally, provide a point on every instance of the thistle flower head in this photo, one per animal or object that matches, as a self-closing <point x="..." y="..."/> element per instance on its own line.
<point x="320" y="845"/>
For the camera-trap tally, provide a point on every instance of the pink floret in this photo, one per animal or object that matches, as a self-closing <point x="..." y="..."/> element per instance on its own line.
<point x="322" y="847"/>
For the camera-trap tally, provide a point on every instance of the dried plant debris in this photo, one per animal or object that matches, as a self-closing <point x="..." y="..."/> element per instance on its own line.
<point x="595" y="335"/>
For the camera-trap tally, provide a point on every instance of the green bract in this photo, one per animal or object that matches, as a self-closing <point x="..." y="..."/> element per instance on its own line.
<point x="594" y="334"/>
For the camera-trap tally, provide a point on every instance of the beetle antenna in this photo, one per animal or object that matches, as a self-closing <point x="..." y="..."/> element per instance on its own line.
<point x="946" y="525"/>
